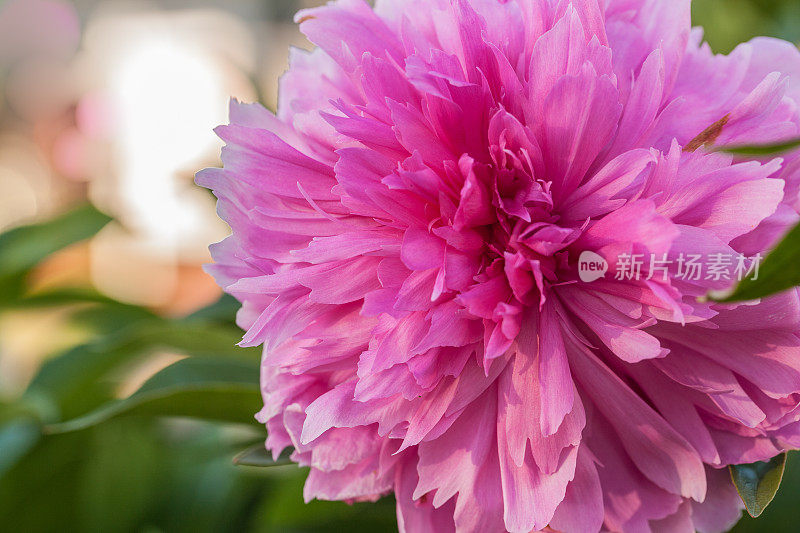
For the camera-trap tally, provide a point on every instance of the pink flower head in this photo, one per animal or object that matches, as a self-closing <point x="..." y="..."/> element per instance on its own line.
<point x="407" y="241"/>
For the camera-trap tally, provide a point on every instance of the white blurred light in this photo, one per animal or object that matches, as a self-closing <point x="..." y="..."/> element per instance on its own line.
<point x="168" y="99"/>
<point x="164" y="79"/>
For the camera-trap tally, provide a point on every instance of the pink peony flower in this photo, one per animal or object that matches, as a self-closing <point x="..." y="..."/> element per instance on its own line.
<point x="407" y="233"/>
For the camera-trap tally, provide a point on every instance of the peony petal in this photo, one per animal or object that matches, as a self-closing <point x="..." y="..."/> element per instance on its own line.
<point x="657" y="450"/>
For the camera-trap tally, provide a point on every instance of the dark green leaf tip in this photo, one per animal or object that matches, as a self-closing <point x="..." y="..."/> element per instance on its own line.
<point x="758" y="483"/>
<point x="761" y="150"/>
<point x="258" y="456"/>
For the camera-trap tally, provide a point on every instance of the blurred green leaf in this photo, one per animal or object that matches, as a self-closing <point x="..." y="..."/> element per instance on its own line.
<point x="761" y="150"/>
<point x="209" y="493"/>
<point x="133" y="474"/>
<point x="29" y="490"/>
<point x="284" y="511"/>
<point x="63" y="296"/>
<point x="21" y="428"/>
<point x="201" y="339"/>
<point x="74" y="379"/>
<point x="223" y="311"/>
<point x="23" y="248"/>
<point x="257" y="455"/>
<point x="211" y="389"/>
<point x="202" y="372"/>
<point x="110" y="318"/>
<point x="105" y="481"/>
<point x="758" y="483"/>
<point x="12" y="286"/>
<point x="16" y="439"/>
<point x="729" y="22"/>
<point x="778" y="273"/>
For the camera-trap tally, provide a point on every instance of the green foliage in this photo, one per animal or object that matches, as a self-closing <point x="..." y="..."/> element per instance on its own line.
<point x="23" y="248"/>
<point x="781" y="515"/>
<point x="762" y="150"/>
<point x="257" y="456"/>
<point x="130" y="474"/>
<point x="17" y="437"/>
<point x="283" y="512"/>
<point x="778" y="273"/>
<point x="730" y="22"/>
<point x="218" y="390"/>
<point x="76" y="457"/>
<point x="758" y="483"/>
<point x="106" y="479"/>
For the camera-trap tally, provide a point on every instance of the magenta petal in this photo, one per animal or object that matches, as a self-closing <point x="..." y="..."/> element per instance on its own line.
<point x="582" y="507"/>
<point x="557" y="398"/>
<point x="416" y="515"/>
<point x="655" y="447"/>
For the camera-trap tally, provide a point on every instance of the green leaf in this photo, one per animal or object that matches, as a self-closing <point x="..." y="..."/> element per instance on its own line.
<point x="63" y="296"/>
<point x="73" y="380"/>
<point x="778" y="273"/>
<point x="135" y="474"/>
<point x="258" y="456"/>
<point x="54" y="464"/>
<point x="761" y="150"/>
<point x="284" y="510"/>
<point x="758" y="483"/>
<point x="114" y="494"/>
<point x="201" y="339"/>
<point x="16" y="439"/>
<point x="220" y="390"/>
<point x="223" y="311"/>
<point x="24" y="247"/>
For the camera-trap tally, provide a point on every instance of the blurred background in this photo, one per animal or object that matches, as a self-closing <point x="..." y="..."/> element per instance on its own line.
<point x="111" y="335"/>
